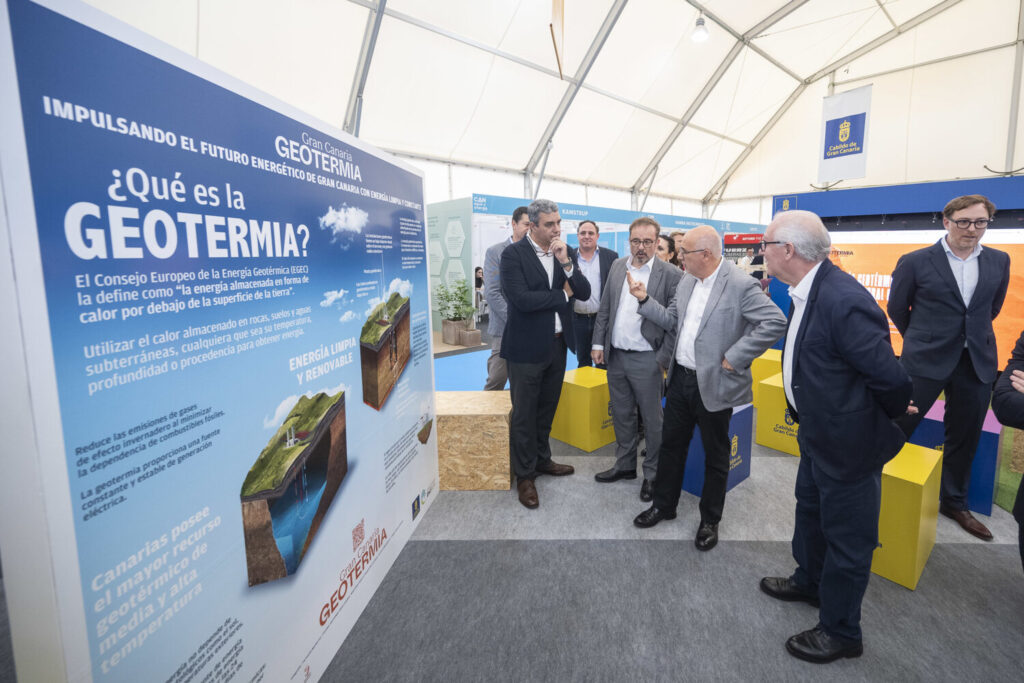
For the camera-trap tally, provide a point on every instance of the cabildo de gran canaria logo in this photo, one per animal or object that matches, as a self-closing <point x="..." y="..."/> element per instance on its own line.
<point x="844" y="136"/>
<point x="844" y="131"/>
<point x="789" y="418"/>
<point x="735" y="445"/>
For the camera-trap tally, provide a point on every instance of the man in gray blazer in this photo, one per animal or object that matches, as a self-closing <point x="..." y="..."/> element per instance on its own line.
<point x="628" y="345"/>
<point x="497" y="371"/>
<point x="716" y="324"/>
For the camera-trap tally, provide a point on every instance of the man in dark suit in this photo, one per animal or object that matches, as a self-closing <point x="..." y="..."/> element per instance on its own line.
<point x="538" y="278"/>
<point x="1008" y="405"/>
<point x="716" y="323"/>
<point x="594" y="262"/>
<point x="845" y="387"/>
<point x="943" y="299"/>
<point x="629" y="345"/>
<point x="497" y="371"/>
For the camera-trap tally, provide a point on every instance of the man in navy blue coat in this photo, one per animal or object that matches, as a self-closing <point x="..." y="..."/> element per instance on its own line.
<point x="844" y="386"/>
<point x="943" y="299"/>
<point x="538" y="279"/>
<point x="1008" y="405"/>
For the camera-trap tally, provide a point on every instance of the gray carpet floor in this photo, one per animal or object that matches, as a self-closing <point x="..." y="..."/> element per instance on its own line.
<point x="490" y="591"/>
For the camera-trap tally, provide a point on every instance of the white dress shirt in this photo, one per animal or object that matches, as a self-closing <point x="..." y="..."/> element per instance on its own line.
<point x="799" y="294"/>
<point x="591" y="269"/>
<point x="547" y="260"/>
<point x="626" y="330"/>
<point x="686" y="354"/>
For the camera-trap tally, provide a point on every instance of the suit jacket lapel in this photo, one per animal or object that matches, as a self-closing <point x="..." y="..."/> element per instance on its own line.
<point x="685" y="290"/>
<point x="941" y="262"/>
<point x="987" y="276"/>
<point x="616" y="281"/>
<point x="809" y="307"/>
<point x="714" y="296"/>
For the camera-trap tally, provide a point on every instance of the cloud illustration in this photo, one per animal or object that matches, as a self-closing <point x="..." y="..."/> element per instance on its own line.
<point x="349" y="315"/>
<point x="344" y="222"/>
<point x="332" y="296"/>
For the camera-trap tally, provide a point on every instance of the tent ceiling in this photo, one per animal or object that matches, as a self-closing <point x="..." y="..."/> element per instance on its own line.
<point x="476" y="82"/>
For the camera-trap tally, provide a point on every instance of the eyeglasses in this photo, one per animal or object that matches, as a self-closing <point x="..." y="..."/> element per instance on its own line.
<point x="684" y="252"/>
<point x="965" y="223"/>
<point x="765" y="243"/>
<point x="637" y="242"/>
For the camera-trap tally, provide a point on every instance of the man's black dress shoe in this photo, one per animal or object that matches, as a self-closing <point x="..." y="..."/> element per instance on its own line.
<point x="783" y="588"/>
<point x="707" y="536"/>
<point x="645" y="491"/>
<point x="819" y="647"/>
<point x="652" y="516"/>
<point x="613" y="475"/>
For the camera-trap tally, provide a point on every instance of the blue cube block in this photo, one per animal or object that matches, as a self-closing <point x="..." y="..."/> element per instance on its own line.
<point x="981" y="491"/>
<point x="740" y="427"/>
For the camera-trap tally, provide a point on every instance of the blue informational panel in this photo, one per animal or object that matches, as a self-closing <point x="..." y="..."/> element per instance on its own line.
<point x="740" y="427"/>
<point x="225" y="312"/>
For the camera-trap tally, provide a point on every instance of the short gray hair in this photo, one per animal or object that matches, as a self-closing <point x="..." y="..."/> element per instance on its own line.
<point x="805" y="231"/>
<point x="539" y="206"/>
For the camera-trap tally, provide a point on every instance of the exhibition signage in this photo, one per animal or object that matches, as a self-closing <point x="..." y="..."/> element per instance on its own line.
<point x="220" y="395"/>
<point x="871" y="256"/>
<point x="844" y="128"/>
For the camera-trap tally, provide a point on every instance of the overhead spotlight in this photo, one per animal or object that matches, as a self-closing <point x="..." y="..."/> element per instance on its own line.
<point x="700" y="31"/>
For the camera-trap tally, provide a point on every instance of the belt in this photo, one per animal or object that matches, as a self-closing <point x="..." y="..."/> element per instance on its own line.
<point x="557" y="335"/>
<point x="585" y="315"/>
<point x="685" y="370"/>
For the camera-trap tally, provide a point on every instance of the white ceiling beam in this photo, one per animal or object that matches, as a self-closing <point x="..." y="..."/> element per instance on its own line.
<point x="930" y="62"/>
<point x="838" y="64"/>
<point x="1018" y="66"/>
<point x="748" y="37"/>
<point x="354" y="110"/>
<point x="684" y="120"/>
<point x="885" y="12"/>
<point x="581" y="74"/>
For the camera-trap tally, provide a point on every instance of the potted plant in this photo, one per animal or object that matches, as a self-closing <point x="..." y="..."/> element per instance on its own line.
<point x="455" y="306"/>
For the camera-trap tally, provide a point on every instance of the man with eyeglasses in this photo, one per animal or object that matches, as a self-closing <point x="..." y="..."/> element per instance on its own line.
<point x="943" y="299"/>
<point x="845" y="388"/>
<point x="716" y="323"/>
<point x="628" y="344"/>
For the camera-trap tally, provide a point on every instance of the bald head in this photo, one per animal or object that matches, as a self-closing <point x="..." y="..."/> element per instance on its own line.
<point x="703" y="237"/>
<point x="796" y="242"/>
<point x="702" y="251"/>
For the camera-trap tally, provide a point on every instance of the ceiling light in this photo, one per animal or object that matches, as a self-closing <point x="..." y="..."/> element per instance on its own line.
<point x="700" y="31"/>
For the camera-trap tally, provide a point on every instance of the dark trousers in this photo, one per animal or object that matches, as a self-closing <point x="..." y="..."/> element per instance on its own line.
<point x="583" y="326"/>
<point x="685" y="410"/>
<point x="535" y="390"/>
<point x="967" y="400"/>
<point x="835" y="534"/>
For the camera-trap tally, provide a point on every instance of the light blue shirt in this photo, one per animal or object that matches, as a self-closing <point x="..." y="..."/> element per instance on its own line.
<point x="964" y="270"/>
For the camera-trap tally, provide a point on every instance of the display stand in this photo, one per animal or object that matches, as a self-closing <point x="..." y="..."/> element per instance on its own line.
<point x="775" y="426"/>
<point x="472" y="440"/>
<point x="583" y="418"/>
<point x="740" y="426"/>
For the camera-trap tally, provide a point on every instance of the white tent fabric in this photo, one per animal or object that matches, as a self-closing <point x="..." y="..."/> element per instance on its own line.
<point x="469" y="89"/>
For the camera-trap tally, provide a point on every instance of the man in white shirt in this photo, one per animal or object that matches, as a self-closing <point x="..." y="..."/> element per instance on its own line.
<point x="595" y="263"/>
<point x="629" y="345"/>
<point x="943" y="299"/>
<point x="538" y="278"/>
<point x="844" y="387"/>
<point x="716" y="324"/>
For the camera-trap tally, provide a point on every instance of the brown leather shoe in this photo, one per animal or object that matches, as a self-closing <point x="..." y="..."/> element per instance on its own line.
<point x="554" y="469"/>
<point x="967" y="522"/>
<point x="528" y="493"/>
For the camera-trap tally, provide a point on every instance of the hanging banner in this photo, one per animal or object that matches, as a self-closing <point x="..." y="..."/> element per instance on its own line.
<point x="223" y="310"/>
<point x="844" y="133"/>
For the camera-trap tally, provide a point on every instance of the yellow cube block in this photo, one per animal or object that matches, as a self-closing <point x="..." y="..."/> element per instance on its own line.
<point x="775" y="427"/>
<point x="763" y="367"/>
<point x="910" y="508"/>
<point x="583" y="418"/>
